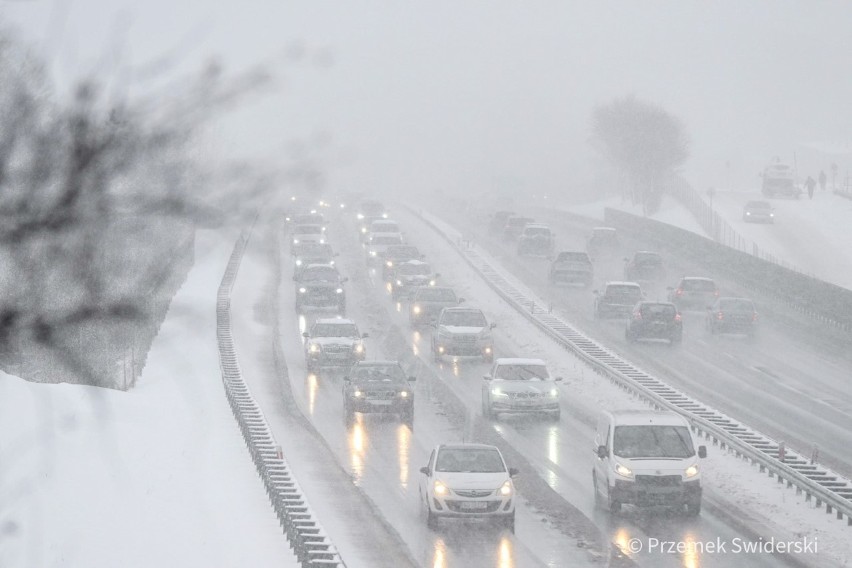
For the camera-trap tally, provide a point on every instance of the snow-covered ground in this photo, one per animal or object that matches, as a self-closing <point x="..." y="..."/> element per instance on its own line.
<point x="157" y="476"/>
<point x="812" y="235"/>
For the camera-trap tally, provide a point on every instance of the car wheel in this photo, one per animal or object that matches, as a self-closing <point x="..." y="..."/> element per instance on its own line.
<point x="693" y="509"/>
<point x="487" y="411"/>
<point x="613" y="505"/>
<point x="431" y="518"/>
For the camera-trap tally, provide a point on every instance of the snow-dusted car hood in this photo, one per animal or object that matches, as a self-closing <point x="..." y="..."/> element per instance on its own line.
<point x="532" y="386"/>
<point x="466" y="480"/>
<point x="657" y="466"/>
<point x="459" y="330"/>
<point x="334" y="341"/>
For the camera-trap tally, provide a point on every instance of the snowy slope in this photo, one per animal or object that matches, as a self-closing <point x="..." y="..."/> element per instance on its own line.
<point x="157" y="476"/>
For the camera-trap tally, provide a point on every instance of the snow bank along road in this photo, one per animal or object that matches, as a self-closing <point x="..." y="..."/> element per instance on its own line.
<point x="382" y="456"/>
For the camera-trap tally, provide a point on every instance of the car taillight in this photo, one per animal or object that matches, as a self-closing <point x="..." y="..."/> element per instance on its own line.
<point x="715" y="292"/>
<point x="754" y="316"/>
<point x="679" y="292"/>
<point x="677" y="317"/>
<point x="637" y="315"/>
<point x="720" y="316"/>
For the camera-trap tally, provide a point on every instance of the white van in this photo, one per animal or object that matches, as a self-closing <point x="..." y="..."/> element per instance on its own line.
<point x="646" y="458"/>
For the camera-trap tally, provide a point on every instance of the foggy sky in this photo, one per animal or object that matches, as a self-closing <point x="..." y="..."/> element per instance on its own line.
<point x="470" y="96"/>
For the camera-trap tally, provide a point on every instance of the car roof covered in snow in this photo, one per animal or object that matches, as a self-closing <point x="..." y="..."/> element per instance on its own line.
<point x="518" y="361"/>
<point x="642" y="417"/>
<point x="335" y="321"/>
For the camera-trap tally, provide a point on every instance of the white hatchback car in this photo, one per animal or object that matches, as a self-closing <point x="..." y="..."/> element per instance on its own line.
<point x="467" y="481"/>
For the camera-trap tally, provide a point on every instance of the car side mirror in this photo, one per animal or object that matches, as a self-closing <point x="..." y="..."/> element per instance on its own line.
<point x="461" y="300"/>
<point x="493" y="325"/>
<point x="702" y="452"/>
<point x="346" y="380"/>
<point x="486" y="377"/>
<point x="425" y="470"/>
<point x="602" y="453"/>
<point x="437" y="275"/>
<point x="557" y="379"/>
<point x="295" y="278"/>
<point x="365" y="335"/>
<point x="337" y="254"/>
<point x="344" y="279"/>
<point x="306" y="334"/>
<point x="412" y="378"/>
<point x="513" y="471"/>
<point x="595" y="292"/>
<point x="669" y="288"/>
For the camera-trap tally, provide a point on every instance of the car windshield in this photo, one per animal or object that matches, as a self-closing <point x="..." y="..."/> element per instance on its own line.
<point x="517" y="221"/>
<point x="464" y="319"/>
<point x="572" y="257"/>
<point x="403" y="252"/>
<point x="385" y="240"/>
<point x="652" y="441"/>
<point x="334" y="330"/>
<point x="320" y="274"/>
<point x="758" y="205"/>
<point x="436" y="295"/>
<point x="737" y="305"/>
<point x="537" y="231"/>
<point x="664" y="310"/>
<point x="308" y="230"/>
<point x="698" y="285"/>
<point x="648" y="258"/>
<point x="384" y="227"/>
<point x="414" y="269"/>
<point x="469" y="460"/>
<point x="378" y="374"/>
<point x="623" y="292"/>
<point x="315" y="219"/>
<point x="522" y="372"/>
<point x="315" y="250"/>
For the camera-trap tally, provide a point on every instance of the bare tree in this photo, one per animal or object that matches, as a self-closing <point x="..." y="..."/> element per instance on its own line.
<point x="642" y="140"/>
<point x="99" y="199"/>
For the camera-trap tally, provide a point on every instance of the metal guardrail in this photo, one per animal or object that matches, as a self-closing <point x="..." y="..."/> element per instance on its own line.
<point x="816" y="482"/>
<point x="311" y="544"/>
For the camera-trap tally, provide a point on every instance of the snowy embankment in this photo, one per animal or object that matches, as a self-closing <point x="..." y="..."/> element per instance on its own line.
<point x="158" y="476"/>
<point x="810" y="234"/>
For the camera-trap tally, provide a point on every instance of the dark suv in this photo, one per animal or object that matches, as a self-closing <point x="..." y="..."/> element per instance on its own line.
<point x="732" y="315"/>
<point x="644" y="266"/>
<point x="320" y="286"/>
<point x="572" y="268"/>
<point x="378" y="386"/>
<point x="617" y="299"/>
<point x="655" y="320"/>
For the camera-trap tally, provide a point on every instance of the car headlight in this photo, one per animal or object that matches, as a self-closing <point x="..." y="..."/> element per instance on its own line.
<point x="364" y="230"/>
<point x="403" y="394"/>
<point x="487" y="350"/>
<point x="506" y="489"/>
<point x="357" y="393"/>
<point x="299" y="262"/>
<point x="339" y="290"/>
<point x="772" y="214"/>
<point x="360" y="216"/>
<point x="691" y="471"/>
<point x="302" y="290"/>
<point x="748" y="213"/>
<point x="554" y="392"/>
<point x="295" y="241"/>
<point x="384" y="215"/>
<point x="322" y="241"/>
<point x="372" y="253"/>
<point x="440" y="488"/>
<point x="431" y="283"/>
<point x="314" y="348"/>
<point x="399" y="282"/>
<point x="358" y="348"/>
<point x="623" y="471"/>
<point x="389" y="264"/>
<point x="498" y="392"/>
<point x="415" y="309"/>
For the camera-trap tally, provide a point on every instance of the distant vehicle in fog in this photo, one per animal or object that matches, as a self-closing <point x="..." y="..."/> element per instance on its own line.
<point x="320" y="287"/>
<point x="536" y="239"/>
<point x="602" y="242"/>
<point x="780" y="179"/>
<point x="732" y="315"/>
<point x="758" y="212"/>
<point x="383" y="226"/>
<point x="333" y="342"/>
<point x="695" y="292"/>
<point x="645" y="266"/>
<point x="396" y="254"/>
<point x="428" y="302"/>
<point x="617" y="299"/>
<point x="467" y="481"/>
<point x="572" y="267"/>
<point x="411" y="275"/>
<point x="378" y="244"/>
<point x="517" y="385"/>
<point x="464" y="332"/>
<point x="305" y="254"/>
<point x="655" y="320"/>
<point x="498" y="221"/>
<point x="514" y="226"/>
<point x="646" y="458"/>
<point x="306" y="234"/>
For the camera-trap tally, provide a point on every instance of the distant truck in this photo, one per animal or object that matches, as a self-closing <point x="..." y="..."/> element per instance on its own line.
<point x="780" y="179"/>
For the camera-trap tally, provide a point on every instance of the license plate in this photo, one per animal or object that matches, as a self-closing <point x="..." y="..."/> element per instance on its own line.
<point x="381" y="402"/>
<point x="473" y="505"/>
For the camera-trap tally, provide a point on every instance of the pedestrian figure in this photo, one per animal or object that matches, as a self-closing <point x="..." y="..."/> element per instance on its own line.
<point x="810" y="183"/>
<point x="822" y="179"/>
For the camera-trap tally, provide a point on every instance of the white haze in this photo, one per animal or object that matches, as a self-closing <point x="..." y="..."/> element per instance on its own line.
<point x="482" y="95"/>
